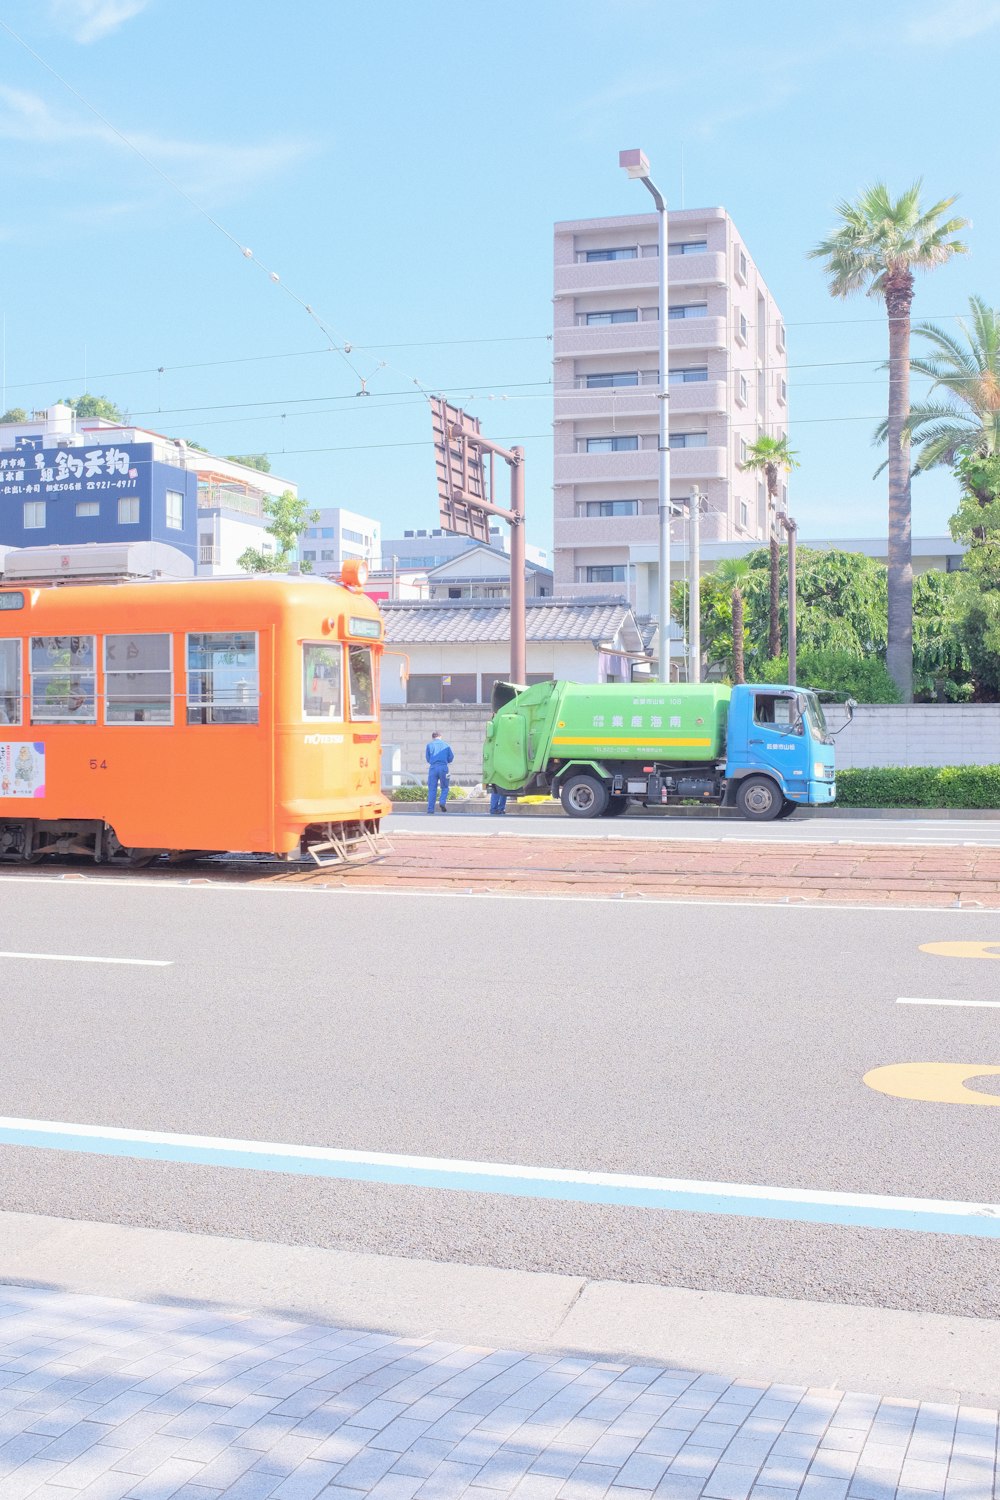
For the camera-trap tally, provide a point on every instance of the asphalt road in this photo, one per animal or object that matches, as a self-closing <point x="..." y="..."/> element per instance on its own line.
<point x="802" y="828"/>
<point x="711" y="1043"/>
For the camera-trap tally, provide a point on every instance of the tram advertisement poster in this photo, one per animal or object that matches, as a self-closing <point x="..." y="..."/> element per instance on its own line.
<point x="22" y="769"/>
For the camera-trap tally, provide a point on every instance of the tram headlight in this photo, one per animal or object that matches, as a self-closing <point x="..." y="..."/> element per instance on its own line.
<point x="354" y="572"/>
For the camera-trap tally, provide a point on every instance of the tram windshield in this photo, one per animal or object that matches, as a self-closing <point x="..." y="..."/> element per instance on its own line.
<point x="322" y="681"/>
<point x="361" y="677"/>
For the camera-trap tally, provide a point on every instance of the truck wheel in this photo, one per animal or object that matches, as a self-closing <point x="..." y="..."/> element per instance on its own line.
<point x="759" y="799"/>
<point x="789" y="809"/>
<point x="583" y="797"/>
<point x="616" y="806"/>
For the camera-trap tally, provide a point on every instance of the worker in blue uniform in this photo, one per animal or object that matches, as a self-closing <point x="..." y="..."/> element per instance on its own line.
<point x="439" y="757"/>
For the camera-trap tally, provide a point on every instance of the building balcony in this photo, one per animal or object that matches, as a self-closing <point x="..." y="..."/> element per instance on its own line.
<point x="641" y="401"/>
<point x="706" y="269"/>
<point x="209" y="557"/>
<point x="605" y="531"/>
<point x="634" y="338"/>
<point x="628" y="468"/>
<point x="245" y="502"/>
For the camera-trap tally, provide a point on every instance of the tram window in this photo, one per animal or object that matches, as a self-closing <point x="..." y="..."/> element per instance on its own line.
<point x="63" y="687"/>
<point x="10" y="682"/>
<point x="362" y="681"/>
<point x="222" y="683"/>
<point x="137" y="679"/>
<point x="322" y="681"/>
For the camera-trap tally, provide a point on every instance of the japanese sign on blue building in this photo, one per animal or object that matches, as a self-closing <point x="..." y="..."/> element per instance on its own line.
<point x="51" y="471"/>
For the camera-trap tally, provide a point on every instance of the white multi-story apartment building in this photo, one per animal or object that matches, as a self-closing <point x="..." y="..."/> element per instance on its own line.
<point x="727" y="385"/>
<point x="338" y="535"/>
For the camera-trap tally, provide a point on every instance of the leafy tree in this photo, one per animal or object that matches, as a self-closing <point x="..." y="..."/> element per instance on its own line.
<point x="964" y="369"/>
<point x="289" y="518"/>
<point x="94" y="406"/>
<point x="876" y="248"/>
<point x="14" y="414"/>
<point x="251" y="461"/>
<point x="864" y="678"/>
<point x="771" y="455"/>
<point x="198" y="447"/>
<point x="977" y="524"/>
<point x="942" y="665"/>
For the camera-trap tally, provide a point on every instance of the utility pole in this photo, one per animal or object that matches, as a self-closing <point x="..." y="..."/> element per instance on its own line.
<point x="694" y="588"/>
<point x="637" y="166"/>
<point x="791" y="530"/>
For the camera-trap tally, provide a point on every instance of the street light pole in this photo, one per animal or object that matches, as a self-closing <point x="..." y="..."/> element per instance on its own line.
<point x="637" y="166"/>
<point x="694" y="588"/>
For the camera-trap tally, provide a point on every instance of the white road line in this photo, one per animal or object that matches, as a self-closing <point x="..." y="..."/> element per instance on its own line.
<point x="917" y="1000"/>
<point x="81" y="958"/>
<point x="750" y="1200"/>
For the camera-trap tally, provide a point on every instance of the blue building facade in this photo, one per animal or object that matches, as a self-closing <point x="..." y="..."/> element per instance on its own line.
<point x="95" y="493"/>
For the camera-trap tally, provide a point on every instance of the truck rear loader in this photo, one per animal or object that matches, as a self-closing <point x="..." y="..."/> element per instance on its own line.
<point x="600" y="748"/>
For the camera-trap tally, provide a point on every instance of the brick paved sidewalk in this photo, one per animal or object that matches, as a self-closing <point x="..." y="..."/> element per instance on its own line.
<point x="911" y="875"/>
<point x="104" y="1400"/>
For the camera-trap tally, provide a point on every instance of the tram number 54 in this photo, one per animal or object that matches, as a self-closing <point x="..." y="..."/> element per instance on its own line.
<point x="98" y="765"/>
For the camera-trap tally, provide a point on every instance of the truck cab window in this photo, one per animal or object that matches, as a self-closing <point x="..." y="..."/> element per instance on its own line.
<point x="322" y="681"/>
<point x="10" y="682"/>
<point x="772" y="710"/>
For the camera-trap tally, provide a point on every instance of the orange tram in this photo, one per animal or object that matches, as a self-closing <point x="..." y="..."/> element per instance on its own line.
<point x="142" y="719"/>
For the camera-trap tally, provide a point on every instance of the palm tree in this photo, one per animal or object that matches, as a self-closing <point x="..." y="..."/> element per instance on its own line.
<point x="878" y="245"/>
<point x="731" y="573"/>
<point x="771" y="455"/>
<point x="965" y="369"/>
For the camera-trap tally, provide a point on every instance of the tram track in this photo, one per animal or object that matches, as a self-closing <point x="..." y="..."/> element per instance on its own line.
<point x="789" y="872"/>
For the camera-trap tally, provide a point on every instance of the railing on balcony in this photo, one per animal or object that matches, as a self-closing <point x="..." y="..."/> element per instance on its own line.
<point x="235" y="497"/>
<point x="209" y="557"/>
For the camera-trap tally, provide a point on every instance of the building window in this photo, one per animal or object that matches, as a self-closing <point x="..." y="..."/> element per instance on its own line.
<point x="744" y="515"/>
<point x="779" y="334"/>
<point x="611" y="508"/>
<point x="603" y="382"/>
<point x="687" y="247"/>
<point x="490" y="678"/>
<point x="222" y="681"/>
<point x="690" y="375"/>
<point x="308" y="557"/>
<point x="603" y="573"/>
<point x="138" y="684"/>
<point x="322" y="687"/>
<point x="782" y="390"/>
<point x="353" y="536"/>
<point x="88" y="508"/>
<point x="10" y="682"/>
<point x="327" y="556"/>
<point x="63" y="685"/>
<point x="742" y="390"/>
<point x="326" y="532"/>
<point x="689" y="440"/>
<point x="740" y="262"/>
<point x="621" y="315"/>
<point x="175" y="510"/>
<point x="613" y="444"/>
<point x="449" y="687"/>
<point x="34" y="515"/>
<point x="627" y="252"/>
<point x="128" y="510"/>
<point x="743" y="450"/>
<point x="688" y="310"/>
<point x="742" y="327"/>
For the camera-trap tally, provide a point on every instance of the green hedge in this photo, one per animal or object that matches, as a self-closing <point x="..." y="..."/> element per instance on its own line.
<point x="920" y="786"/>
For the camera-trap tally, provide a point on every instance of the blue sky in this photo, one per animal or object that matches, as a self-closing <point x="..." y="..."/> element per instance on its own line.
<point x="400" y="167"/>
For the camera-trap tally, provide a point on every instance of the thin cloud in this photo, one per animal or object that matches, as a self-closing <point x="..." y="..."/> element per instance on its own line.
<point x="954" y="21"/>
<point x="90" y="20"/>
<point x="199" y="167"/>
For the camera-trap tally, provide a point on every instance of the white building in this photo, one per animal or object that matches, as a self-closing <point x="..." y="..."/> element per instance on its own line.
<point x="727" y="385"/>
<point x="340" y="534"/>
<point x="231" y="514"/>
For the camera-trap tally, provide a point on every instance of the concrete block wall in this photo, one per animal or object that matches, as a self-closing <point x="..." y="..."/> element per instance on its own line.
<point x="917" y="734"/>
<point x="409" y="726"/>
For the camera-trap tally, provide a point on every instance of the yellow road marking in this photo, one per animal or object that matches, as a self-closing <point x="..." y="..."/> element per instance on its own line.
<point x="962" y="950"/>
<point x="932" y="1083"/>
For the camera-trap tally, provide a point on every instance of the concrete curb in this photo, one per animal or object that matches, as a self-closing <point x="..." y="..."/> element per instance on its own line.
<point x="904" y="1354"/>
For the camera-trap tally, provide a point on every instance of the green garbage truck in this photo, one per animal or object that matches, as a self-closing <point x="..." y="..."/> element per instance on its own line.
<point x="602" y="747"/>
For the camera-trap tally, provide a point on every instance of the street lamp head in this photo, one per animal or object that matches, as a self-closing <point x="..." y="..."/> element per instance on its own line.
<point x="634" y="162"/>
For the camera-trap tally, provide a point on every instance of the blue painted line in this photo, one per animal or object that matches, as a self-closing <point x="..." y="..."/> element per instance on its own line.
<point x="808" y="1206"/>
